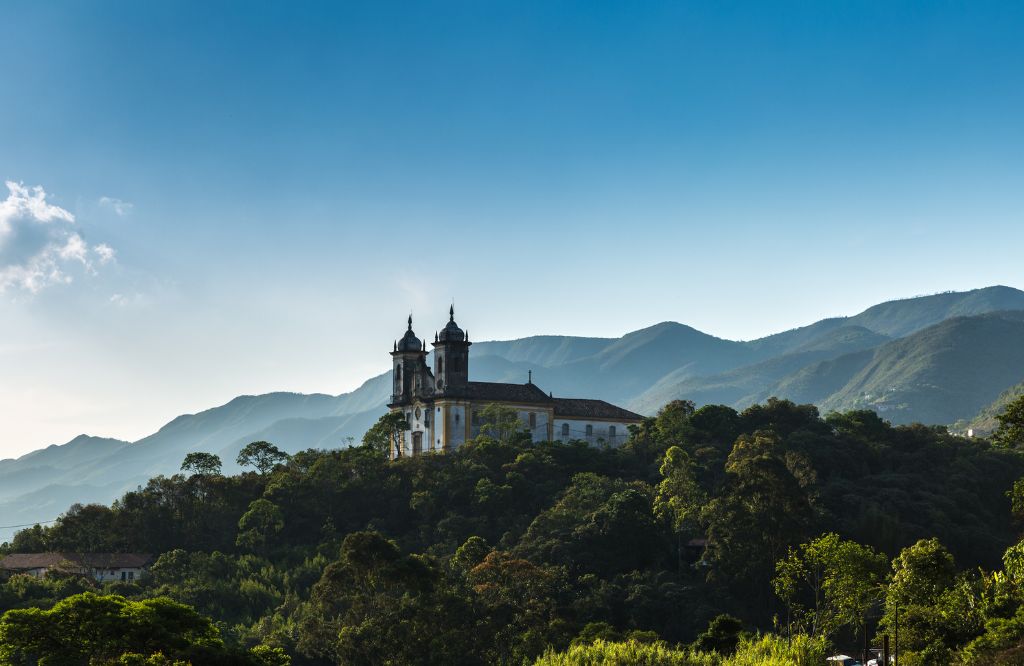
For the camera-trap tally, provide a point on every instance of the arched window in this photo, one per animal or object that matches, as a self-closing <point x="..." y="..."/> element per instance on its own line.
<point x="565" y="430"/>
<point x="533" y="420"/>
<point x="398" y="373"/>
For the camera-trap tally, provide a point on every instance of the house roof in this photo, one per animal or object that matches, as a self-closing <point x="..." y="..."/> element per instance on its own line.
<point x="595" y="409"/>
<point x="25" y="561"/>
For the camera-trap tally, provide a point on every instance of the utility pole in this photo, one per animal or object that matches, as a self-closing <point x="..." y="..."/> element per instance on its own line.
<point x="885" y="649"/>
<point x="897" y="636"/>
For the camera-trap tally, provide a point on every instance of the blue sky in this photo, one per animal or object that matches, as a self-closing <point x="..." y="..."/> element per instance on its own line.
<point x="249" y="197"/>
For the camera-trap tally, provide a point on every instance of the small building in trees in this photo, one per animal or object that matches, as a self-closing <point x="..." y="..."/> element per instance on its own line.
<point x="442" y="407"/>
<point x="102" y="567"/>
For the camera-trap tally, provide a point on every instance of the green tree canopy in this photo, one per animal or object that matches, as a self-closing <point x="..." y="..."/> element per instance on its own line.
<point x="90" y="628"/>
<point x="501" y="423"/>
<point x="201" y="464"/>
<point x="829" y="583"/>
<point x="264" y="456"/>
<point x="1010" y="432"/>
<point x="385" y="435"/>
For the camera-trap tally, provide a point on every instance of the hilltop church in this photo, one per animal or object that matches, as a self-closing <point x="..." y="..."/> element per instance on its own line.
<point x="443" y="407"/>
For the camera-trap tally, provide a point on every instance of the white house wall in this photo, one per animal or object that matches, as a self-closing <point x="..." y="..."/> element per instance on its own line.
<point x="601" y="431"/>
<point x="538" y="433"/>
<point x="108" y="575"/>
<point x="456" y="425"/>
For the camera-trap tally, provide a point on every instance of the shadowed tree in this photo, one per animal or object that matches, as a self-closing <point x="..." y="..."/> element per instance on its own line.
<point x="1010" y="432"/>
<point x="201" y="464"/>
<point x="829" y="583"/>
<point x="680" y="497"/>
<point x="384" y="436"/>
<point x="501" y="423"/>
<point x="264" y="456"/>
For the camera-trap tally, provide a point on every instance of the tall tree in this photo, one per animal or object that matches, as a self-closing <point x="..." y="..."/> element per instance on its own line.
<point x="680" y="497"/>
<point x="1010" y="432"/>
<point x="201" y="464"/>
<point x="501" y="423"/>
<point x="264" y="456"/>
<point x="829" y="583"/>
<point x="385" y="436"/>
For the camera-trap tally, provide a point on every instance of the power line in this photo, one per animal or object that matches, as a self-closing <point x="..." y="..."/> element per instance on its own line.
<point x="27" y="525"/>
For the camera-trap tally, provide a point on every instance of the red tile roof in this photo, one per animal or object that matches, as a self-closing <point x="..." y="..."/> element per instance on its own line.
<point x="26" y="561"/>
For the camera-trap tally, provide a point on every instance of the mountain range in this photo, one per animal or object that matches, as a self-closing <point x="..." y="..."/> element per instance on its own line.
<point x="937" y="359"/>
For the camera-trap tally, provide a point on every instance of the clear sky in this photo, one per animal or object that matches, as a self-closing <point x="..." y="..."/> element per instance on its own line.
<point x="240" y="198"/>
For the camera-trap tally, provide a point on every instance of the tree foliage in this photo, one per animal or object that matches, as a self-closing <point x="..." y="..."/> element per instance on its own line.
<point x="264" y="456"/>
<point x="505" y="549"/>
<point x="385" y="435"/>
<point x="1010" y="432"/>
<point x="201" y="464"/>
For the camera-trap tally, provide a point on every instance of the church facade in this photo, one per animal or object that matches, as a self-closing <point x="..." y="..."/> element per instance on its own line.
<point x="442" y="406"/>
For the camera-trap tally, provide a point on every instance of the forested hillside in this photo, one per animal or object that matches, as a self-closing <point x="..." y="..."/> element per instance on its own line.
<point x="508" y="551"/>
<point x="934" y="359"/>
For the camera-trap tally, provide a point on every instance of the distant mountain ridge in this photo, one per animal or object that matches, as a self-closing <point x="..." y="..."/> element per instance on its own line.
<point x="935" y="358"/>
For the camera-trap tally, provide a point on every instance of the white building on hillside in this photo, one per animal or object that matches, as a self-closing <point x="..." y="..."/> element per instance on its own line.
<point x="443" y="407"/>
<point x="103" y="567"/>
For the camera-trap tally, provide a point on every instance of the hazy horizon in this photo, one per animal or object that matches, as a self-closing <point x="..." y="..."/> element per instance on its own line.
<point x="208" y="201"/>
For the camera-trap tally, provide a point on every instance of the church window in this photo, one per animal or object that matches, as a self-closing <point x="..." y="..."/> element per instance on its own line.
<point x="565" y="430"/>
<point x="456" y="417"/>
<point x="611" y="432"/>
<point x="533" y="420"/>
<point x="408" y="418"/>
<point x="590" y="430"/>
<point x="440" y="365"/>
<point x="398" y="373"/>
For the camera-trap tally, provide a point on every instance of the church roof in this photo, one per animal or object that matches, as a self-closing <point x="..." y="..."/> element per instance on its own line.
<point x="530" y="394"/>
<point x="496" y="392"/>
<point x="451" y="332"/>
<point x="409" y="341"/>
<point x="595" y="409"/>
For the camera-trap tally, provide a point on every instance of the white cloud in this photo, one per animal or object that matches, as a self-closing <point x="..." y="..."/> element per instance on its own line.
<point x="38" y="243"/>
<point x="104" y="253"/>
<point x="120" y="207"/>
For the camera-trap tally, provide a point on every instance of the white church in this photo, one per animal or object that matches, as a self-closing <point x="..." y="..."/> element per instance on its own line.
<point x="442" y="406"/>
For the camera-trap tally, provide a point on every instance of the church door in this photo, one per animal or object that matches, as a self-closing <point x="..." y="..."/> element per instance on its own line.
<point x="417" y="443"/>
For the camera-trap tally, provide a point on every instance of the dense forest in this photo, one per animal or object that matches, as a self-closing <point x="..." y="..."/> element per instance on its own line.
<point x="713" y="537"/>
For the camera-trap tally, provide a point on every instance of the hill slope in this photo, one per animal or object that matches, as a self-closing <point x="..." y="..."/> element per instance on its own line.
<point x="985" y="422"/>
<point x="939" y="375"/>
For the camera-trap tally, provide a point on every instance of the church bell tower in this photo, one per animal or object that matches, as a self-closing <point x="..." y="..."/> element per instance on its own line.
<point x="451" y="358"/>
<point x="407" y="358"/>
